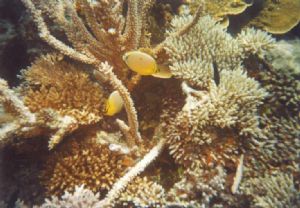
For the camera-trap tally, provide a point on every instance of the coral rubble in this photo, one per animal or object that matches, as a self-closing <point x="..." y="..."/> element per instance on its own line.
<point x="221" y="131"/>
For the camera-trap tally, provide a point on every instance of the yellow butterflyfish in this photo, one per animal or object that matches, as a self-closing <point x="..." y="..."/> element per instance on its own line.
<point x="114" y="104"/>
<point x="140" y="62"/>
<point x="144" y="64"/>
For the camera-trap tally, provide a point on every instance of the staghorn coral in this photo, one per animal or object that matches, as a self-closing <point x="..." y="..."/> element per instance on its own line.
<point x="12" y="105"/>
<point x="273" y="190"/>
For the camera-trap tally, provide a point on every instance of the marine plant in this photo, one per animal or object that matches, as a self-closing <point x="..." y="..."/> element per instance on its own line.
<point x="195" y="126"/>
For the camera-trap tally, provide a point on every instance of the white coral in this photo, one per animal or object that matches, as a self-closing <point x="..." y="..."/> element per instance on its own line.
<point x="81" y="198"/>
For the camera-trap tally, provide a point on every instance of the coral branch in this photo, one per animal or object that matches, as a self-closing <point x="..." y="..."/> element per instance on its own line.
<point x="135" y="136"/>
<point x="238" y="175"/>
<point x="26" y="118"/>
<point x="130" y="175"/>
<point x="181" y="31"/>
<point x="66" y="124"/>
<point x="51" y="40"/>
<point x="18" y="106"/>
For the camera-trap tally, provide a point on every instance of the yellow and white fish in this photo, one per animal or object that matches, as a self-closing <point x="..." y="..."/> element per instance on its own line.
<point x="114" y="104"/>
<point x="144" y="64"/>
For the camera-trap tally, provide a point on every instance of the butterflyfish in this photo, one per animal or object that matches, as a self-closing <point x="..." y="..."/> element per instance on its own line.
<point x="144" y="64"/>
<point x="114" y="104"/>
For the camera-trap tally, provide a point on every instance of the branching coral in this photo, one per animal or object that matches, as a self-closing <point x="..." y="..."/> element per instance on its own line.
<point x="143" y="192"/>
<point x="209" y="45"/>
<point x="273" y="190"/>
<point x="207" y="42"/>
<point x="197" y="187"/>
<point x="281" y="79"/>
<point x="52" y="82"/>
<point x="81" y="161"/>
<point x="81" y="197"/>
<point x="13" y="105"/>
<point x="131" y="36"/>
<point x="281" y="149"/>
<point x="211" y="125"/>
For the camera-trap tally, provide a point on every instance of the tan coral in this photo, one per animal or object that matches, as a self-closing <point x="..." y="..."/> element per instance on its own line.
<point x="278" y="17"/>
<point x="81" y="161"/>
<point x="143" y="192"/>
<point x="52" y="82"/>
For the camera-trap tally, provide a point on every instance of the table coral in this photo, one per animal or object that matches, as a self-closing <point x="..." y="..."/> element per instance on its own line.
<point x="219" y="9"/>
<point x="277" y="17"/>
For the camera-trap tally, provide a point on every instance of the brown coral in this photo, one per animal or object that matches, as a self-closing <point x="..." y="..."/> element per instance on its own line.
<point x="52" y="82"/>
<point x="81" y="161"/>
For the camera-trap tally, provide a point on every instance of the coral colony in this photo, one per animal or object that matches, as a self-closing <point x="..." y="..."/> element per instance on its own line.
<point x="142" y="112"/>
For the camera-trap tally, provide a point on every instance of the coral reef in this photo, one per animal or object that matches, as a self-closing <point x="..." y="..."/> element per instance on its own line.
<point x="220" y="130"/>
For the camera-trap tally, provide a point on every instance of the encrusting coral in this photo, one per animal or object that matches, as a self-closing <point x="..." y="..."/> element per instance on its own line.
<point x="208" y="123"/>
